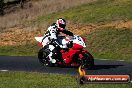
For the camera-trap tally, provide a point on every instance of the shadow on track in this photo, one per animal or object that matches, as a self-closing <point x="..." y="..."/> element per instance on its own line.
<point x="96" y="67"/>
<point x="99" y="67"/>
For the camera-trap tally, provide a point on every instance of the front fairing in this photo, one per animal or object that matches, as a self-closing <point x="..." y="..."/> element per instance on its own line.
<point x="77" y="46"/>
<point x="78" y="40"/>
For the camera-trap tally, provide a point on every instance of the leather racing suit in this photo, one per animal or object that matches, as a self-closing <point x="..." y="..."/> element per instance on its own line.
<point x="52" y="35"/>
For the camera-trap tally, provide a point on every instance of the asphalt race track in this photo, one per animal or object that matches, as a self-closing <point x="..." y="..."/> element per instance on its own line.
<point x="29" y="63"/>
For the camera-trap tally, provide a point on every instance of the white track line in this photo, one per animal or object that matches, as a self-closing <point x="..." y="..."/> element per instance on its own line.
<point x="120" y="60"/>
<point x="111" y="59"/>
<point x="4" y="70"/>
<point x="104" y="59"/>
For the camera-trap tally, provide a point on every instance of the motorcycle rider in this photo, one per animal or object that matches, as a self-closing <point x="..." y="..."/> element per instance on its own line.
<point x="52" y="35"/>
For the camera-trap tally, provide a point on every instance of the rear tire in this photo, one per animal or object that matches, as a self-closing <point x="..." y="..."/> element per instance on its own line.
<point x="42" y="56"/>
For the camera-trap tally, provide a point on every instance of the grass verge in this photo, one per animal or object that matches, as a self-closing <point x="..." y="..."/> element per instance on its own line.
<point x="43" y="80"/>
<point x="20" y="50"/>
<point x="98" y="11"/>
<point x="110" y="43"/>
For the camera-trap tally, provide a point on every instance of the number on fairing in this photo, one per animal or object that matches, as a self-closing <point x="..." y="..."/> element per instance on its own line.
<point x="78" y="38"/>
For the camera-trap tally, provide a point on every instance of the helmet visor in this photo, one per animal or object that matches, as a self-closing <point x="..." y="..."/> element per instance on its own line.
<point x="62" y="26"/>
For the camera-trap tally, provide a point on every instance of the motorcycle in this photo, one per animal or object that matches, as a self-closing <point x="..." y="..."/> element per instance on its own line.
<point x="73" y="55"/>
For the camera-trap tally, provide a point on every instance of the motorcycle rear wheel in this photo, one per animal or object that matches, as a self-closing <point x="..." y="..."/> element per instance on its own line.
<point x="43" y="57"/>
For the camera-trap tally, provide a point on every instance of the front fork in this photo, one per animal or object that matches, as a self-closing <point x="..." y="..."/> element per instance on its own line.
<point x="81" y="57"/>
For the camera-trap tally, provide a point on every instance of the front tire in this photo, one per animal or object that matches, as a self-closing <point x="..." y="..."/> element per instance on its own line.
<point x="87" y="61"/>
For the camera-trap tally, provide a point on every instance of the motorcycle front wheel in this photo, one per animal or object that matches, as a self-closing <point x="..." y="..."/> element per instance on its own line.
<point x="87" y="61"/>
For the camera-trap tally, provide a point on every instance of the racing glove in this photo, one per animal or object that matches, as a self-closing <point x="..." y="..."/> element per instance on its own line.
<point x="70" y="44"/>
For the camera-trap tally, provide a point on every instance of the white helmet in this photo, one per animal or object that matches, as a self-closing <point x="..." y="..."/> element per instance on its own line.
<point x="61" y="23"/>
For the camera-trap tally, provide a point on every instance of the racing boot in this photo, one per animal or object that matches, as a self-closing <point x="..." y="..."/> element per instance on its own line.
<point x="51" y="59"/>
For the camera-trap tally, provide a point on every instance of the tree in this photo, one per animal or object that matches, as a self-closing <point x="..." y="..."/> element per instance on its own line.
<point x="1" y="7"/>
<point x="21" y="3"/>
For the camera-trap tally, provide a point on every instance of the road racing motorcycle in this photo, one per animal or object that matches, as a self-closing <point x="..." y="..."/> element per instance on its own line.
<point x="73" y="55"/>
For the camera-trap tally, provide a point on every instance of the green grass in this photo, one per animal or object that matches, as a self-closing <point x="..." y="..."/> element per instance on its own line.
<point x="99" y="11"/>
<point x="110" y="43"/>
<point x="43" y="80"/>
<point x="20" y="50"/>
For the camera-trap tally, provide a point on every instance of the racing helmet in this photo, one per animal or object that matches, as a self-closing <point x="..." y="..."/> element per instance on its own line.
<point x="61" y="24"/>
